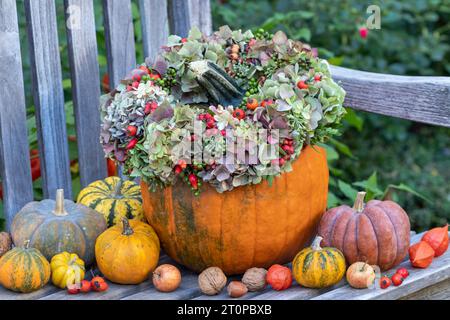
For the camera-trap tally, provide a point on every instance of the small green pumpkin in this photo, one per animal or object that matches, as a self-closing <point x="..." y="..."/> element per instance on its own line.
<point x="24" y="269"/>
<point x="57" y="226"/>
<point x="316" y="267"/>
<point x="114" y="198"/>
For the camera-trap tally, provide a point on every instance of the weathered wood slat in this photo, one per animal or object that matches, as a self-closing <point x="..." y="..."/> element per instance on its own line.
<point x="155" y="25"/>
<point x="418" y="279"/>
<point x="48" y="96"/>
<point x="119" y="38"/>
<point x="14" y="160"/>
<point x="179" y="17"/>
<point x="422" y="99"/>
<point x="6" y="294"/>
<point x="440" y="291"/>
<point x="82" y="44"/>
<point x="183" y="14"/>
<point x="200" y="15"/>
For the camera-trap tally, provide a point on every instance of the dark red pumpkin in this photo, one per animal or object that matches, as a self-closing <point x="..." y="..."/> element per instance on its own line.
<point x="376" y="232"/>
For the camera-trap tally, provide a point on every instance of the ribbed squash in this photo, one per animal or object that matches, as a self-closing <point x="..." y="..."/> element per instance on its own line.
<point x="57" y="226"/>
<point x="114" y="198"/>
<point x="67" y="269"/>
<point x="24" y="269"/>
<point x="127" y="253"/>
<point x="376" y="232"/>
<point x="221" y="88"/>
<point x="317" y="267"/>
<point x="250" y="226"/>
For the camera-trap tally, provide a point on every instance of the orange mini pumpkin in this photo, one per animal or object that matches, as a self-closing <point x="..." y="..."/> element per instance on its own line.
<point x="127" y="254"/>
<point x="249" y="226"/>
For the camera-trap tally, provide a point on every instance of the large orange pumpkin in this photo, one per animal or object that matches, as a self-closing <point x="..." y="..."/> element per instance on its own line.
<point x="250" y="226"/>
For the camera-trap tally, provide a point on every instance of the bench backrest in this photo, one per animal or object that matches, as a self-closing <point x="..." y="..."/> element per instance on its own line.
<point x="425" y="99"/>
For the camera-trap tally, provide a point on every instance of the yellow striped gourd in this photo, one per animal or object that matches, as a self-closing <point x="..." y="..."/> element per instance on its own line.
<point x="114" y="198"/>
<point x="316" y="267"/>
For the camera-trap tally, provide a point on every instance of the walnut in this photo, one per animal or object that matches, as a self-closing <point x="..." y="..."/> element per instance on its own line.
<point x="255" y="279"/>
<point x="5" y="243"/>
<point x="236" y="289"/>
<point x="211" y="281"/>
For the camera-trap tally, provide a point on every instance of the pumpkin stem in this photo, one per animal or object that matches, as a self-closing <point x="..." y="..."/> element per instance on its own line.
<point x="117" y="188"/>
<point x="26" y="244"/>
<point x="359" y="202"/>
<point x="316" y="243"/>
<point x="59" y="208"/>
<point x="126" y="227"/>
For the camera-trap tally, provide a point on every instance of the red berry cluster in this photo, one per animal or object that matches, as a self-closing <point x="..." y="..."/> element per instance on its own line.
<point x="397" y="279"/>
<point x="97" y="284"/>
<point x="190" y="174"/>
<point x="208" y="119"/>
<point x="303" y="85"/>
<point x="288" y="147"/>
<point x="150" y="107"/>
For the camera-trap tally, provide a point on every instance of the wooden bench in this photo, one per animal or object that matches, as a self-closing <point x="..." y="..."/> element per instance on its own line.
<point x="423" y="99"/>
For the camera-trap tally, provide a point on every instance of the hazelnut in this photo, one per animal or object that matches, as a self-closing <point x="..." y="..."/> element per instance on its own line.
<point x="236" y="289"/>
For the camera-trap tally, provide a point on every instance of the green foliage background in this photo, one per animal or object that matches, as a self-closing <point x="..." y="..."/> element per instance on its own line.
<point x="374" y="152"/>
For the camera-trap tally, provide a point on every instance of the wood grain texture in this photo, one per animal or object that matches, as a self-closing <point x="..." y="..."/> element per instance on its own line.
<point x="14" y="160"/>
<point x="82" y="44"/>
<point x="440" y="291"/>
<point x="422" y="99"/>
<point x="179" y="17"/>
<point x="155" y="25"/>
<point x="200" y="15"/>
<point x="48" y="96"/>
<point x="119" y="39"/>
<point x="183" y="14"/>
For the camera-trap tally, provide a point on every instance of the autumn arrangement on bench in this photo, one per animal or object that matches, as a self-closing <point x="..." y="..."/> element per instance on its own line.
<point x="262" y="100"/>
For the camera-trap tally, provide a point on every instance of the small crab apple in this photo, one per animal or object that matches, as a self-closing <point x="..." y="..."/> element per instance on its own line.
<point x="193" y="180"/>
<point x="145" y="69"/>
<point x="239" y="114"/>
<point x="302" y="85"/>
<point x="131" y="130"/>
<point x="266" y="102"/>
<point x="317" y="77"/>
<point x="385" y="282"/>
<point x="155" y="76"/>
<point x="397" y="279"/>
<point x="252" y="104"/>
<point x="178" y="169"/>
<point x="184" y="40"/>
<point x="403" y="272"/>
<point x="132" y="144"/>
<point x="182" y="163"/>
<point x="85" y="286"/>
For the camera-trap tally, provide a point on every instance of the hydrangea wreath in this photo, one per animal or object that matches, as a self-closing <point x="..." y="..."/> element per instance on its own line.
<point x="231" y="85"/>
